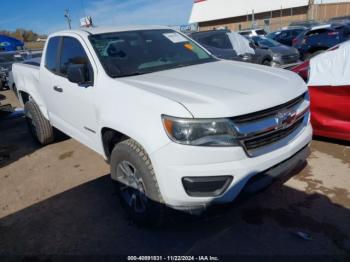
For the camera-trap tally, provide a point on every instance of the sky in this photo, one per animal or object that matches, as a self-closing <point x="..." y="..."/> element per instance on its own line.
<point x="47" y="16"/>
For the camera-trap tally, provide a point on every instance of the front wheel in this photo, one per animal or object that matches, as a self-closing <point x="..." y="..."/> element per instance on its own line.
<point x="266" y="62"/>
<point x="136" y="183"/>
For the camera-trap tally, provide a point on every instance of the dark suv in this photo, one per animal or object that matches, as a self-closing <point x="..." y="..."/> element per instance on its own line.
<point x="286" y="36"/>
<point x="318" y="39"/>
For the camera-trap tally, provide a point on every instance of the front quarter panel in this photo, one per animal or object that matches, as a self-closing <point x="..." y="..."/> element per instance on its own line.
<point x="135" y="113"/>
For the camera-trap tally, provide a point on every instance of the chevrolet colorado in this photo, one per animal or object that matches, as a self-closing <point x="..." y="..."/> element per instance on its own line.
<point x="179" y="127"/>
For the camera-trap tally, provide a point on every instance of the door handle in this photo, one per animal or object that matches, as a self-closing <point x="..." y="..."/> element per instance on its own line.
<point x="58" y="89"/>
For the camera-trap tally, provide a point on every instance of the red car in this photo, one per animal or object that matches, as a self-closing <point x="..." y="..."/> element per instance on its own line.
<point x="328" y="78"/>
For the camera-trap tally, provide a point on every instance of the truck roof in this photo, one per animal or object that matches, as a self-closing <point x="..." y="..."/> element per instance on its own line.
<point x="112" y="29"/>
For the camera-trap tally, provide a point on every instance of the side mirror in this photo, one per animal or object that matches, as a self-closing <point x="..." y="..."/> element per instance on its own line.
<point x="78" y="74"/>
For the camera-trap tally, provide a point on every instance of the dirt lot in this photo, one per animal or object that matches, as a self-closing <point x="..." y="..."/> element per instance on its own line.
<point x="59" y="200"/>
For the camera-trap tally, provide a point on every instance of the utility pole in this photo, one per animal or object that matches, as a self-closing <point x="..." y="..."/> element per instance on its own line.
<point x="281" y="13"/>
<point x="311" y="10"/>
<point x="67" y="16"/>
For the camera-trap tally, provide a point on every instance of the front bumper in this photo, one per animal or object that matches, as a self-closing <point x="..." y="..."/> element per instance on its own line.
<point x="173" y="162"/>
<point x="283" y="62"/>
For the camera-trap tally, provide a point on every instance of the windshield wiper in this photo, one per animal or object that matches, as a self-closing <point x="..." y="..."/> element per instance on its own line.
<point x="135" y="73"/>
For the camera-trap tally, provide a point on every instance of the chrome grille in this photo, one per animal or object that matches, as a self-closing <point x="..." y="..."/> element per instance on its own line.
<point x="267" y="127"/>
<point x="268" y="112"/>
<point x="257" y="142"/>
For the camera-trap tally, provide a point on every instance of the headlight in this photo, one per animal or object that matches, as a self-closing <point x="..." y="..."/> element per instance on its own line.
<point x="277" y="55"/>
<point x="201" y="132"/>
<point x="246" y="57"/>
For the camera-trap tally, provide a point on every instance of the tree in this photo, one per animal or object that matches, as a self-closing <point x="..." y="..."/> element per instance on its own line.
<point x="23" y="34"/>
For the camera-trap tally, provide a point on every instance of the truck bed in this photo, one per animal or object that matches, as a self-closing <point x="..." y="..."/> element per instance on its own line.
<point x="26" y="76"/>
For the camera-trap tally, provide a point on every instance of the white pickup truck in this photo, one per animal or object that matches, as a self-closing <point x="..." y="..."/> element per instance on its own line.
<point x="179" y="127"/>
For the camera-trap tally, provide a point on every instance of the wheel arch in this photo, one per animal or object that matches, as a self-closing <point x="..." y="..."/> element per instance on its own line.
<point x="266" y="58"/>
<point x="24" y="97"/>
<point x="317" y="48"/>
<point x="110" y="137"/>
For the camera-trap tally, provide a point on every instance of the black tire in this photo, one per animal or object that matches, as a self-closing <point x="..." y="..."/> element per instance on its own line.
<point x="39" y="126"/>
<point x="266" y="62"/>
<point x="140" y="195"/>
<point x="306" y="56"/>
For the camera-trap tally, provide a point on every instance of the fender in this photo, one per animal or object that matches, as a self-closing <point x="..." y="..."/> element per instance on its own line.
<point x="26" y="78"/>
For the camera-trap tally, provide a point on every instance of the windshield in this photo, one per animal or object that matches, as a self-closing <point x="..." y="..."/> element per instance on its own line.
<point x="273" y="35"/>
<point x="145" y="51"/>
<point x="265" y="42"/>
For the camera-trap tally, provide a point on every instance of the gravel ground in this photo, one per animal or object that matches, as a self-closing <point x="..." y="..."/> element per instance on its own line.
<point x="59" y="199"/>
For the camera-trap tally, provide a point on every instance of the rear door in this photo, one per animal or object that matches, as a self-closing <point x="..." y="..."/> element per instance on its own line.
<point x="323" y="38"/>
<point x="283" y="37"/>
<point x="71" y="106"/>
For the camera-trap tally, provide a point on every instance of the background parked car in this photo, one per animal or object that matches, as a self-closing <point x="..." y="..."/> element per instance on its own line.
<point x="345" y="19"/>
<point x="10" y="44"/>
<point x="218" y="43"/>
<point x="328" y="78"/>
<point x="321" y="38"/>
<point x="273" y="53"/>
<point x="286" y="36"/>
<point x="6" y="61"/>
<point x="306" y="23"/>
<point x="252" y="32"/>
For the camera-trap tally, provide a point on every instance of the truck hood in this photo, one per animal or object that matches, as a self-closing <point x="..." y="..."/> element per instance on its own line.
<point x="222" y="88"/>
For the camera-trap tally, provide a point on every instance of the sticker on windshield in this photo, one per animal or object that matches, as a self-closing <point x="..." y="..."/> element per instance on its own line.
<point x="175" y="37"/>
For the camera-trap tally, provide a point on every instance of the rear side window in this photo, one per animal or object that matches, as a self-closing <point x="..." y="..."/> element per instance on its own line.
<point x="317" y="32"/>
<point x="346" y="31"/>
<point x="72" y="54"/>
<point x="51" y="54"/>
<point x="295" y="33"/>
<point x="218" y="40"/>
<point x="283" y="35"/>
<point x="261" y="32"/>
<point x="245" y="33"/>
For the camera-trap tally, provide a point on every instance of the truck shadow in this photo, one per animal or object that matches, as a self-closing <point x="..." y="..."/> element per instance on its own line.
<point x="332" y="140"/>
<point x="14" y="130"/>
<point x="88" y="220"/>
<point x="15" y="138"/>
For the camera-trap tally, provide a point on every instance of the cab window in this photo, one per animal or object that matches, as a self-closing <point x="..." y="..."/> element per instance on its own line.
<point x="51" y="54"/>
<point x="73" y="53"/>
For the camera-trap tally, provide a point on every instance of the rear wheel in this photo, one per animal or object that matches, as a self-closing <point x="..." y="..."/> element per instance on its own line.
<point x="136" y="183"/>
<point x="316" y="53"/>
<point x="308" y="56"/>
<point x="39" y="126"/>
<point x="266" y="62"/>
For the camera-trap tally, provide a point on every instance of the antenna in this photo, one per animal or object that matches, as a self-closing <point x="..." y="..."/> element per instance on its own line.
<point x="67" y="16"/>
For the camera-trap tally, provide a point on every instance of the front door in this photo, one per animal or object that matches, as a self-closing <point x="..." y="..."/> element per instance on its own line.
<point x="71" y="106"/>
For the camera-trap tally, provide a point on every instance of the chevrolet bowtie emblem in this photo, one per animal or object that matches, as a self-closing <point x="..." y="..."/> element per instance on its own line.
<point x="285" y="119"/>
